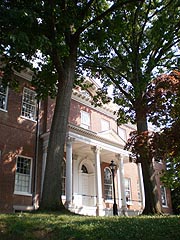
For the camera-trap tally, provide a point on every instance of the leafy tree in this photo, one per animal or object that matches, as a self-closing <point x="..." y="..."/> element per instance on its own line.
<point x="50" y="32"/>
<point x="168" y="140"/>
<point x="128" y="50"/>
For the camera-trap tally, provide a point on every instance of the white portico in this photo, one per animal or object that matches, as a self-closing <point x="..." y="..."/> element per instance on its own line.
<point x="86" y="152"/>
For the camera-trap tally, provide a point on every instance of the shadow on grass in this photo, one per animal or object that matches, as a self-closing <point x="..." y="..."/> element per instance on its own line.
<point x="73" y="227"/>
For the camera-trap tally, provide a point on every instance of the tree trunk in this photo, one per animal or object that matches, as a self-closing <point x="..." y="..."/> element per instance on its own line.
<point x="51" y="195"/>
<point x="152" y="204"/>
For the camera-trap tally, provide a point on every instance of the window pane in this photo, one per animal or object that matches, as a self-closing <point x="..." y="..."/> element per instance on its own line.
<point x="85" y="93"/>
<point x="138" y="191"/>
<point x="85" y="119"/>
<point x="22" y="176"/>
<point x="163" y="196"/>
<point x="104" y="125"/>
<point x="107" y="184"/>
<point x="84" y="169"/>
<point x="127" y="184"/>
<point x="122" y="133"/>
<point x="3" y="97"/>
<point x="29" y="104"/>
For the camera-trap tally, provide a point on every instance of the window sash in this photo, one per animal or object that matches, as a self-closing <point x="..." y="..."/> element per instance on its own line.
<point x="163" y="196"/>
<point x="105" y="125"/>
<point x="3" y="97"/>
<point x="122" y="133"/>
<point x="28" y="109"/>
<point x="138" y="191"/>
<point x="85" y="119"/>
<point x="107" y="184"/>
<point x="128" y="189"/>
<point x="23" y="175"/>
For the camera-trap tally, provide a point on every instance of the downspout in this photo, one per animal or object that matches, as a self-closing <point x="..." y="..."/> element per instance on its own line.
<point x="36" y="150"/>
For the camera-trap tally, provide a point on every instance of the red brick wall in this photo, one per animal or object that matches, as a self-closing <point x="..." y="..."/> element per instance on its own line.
<point x="158" y="168"/>
<point x="17" y="137"/>
<point x="95" y="116"/>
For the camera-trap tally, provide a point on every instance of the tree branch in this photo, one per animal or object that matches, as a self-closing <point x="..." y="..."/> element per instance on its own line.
<point x="102" y="15"/>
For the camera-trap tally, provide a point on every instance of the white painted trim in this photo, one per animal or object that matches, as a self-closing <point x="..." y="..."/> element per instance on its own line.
<point x="30" y="184"/>
<point x="94" y="142"/>
<point x="23" y="193"/>
<point x="22" y="208"/>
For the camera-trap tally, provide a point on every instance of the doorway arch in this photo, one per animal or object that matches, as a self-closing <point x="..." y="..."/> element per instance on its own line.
<point x="87" y="183"/>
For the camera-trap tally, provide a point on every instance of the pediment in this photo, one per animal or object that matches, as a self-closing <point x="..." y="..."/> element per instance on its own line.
<point x="112" y="136"/>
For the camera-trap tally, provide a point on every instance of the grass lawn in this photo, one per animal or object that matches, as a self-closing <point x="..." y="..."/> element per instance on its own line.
<point x="23" y="226"/>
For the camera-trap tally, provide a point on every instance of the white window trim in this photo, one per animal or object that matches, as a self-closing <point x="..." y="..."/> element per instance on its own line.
<point x="6" y="99"/>
<point x="122" y="133"/>
<point x="139" y="193"/>
<point x="30" y="183"/>
<point x="130" y="201"/>
<point x="85" y="125"/>
<point x="109" y="200"/>
<point x="33" y="120"/>
<point x="103" y="121"/>
<point x="23" y="193"/>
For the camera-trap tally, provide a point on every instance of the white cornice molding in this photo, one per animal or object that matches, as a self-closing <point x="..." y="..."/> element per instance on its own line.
<point x="91" y="138"/>
<point x="86" y="100"/>
<point x="26" y="74"/>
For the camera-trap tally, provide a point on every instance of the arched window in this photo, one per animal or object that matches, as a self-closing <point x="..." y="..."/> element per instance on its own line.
<point x="107" y="184"/>
<point x="84" y="169"/>
<point x="86" y="93"/>
<point x="63" y="177"/>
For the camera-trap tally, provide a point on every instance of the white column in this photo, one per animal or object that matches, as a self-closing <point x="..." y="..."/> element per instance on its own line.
<point x="119" y="184"/>
<point x="68" y="172"/>
<point x="122" y="185"/>
<point x="98" y="180"/>
<point x="141" y="185"/>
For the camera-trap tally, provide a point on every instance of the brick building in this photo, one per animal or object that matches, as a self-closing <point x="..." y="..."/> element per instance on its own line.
<point x="93" y="141"/>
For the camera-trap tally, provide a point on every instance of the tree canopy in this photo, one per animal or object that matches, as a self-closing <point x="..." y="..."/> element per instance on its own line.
<point x="49" y="34"/>
<point x="123" y="42"/>
<point x="128" y="50"/>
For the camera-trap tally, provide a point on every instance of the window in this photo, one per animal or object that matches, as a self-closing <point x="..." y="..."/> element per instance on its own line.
<point x="3" y="97"/>
<point x="138" y="191"/>
<point x="23" y="175"/>
<point x="85" y="93"/>
<point x="63" y="178"/>
<point x="84" y="169"/>
<point x="163" y="196"/>
<point x="127" y="183"/>
<point x="85" y="119"/>
<point x="29" y="104"/>
<point x="122" y="133"/>
<point x="105" y="125"/>
<point x="107" y="184"/>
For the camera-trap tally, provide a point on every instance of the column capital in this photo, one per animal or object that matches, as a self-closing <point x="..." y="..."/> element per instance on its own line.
<point x="96" y="149"/>
<point x="119" y="157"/>
<point x="70" y="139"/>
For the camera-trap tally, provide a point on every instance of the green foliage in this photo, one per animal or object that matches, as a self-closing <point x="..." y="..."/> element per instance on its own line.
<point x="130" y="47"/>
<point x="175" y="195"/>
<point x="42" y="36"/>
<point x="61" y="226"/>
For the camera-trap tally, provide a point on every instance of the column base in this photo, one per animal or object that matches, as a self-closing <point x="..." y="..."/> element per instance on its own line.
<point x="68" y="204"/>
<point x="99" y="210"/>
<point x="124" y="211"/>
